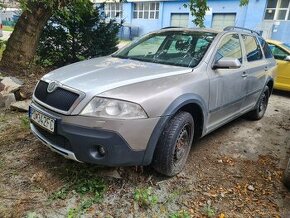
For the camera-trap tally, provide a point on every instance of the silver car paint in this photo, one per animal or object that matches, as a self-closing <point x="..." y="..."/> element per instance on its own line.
<point x="128" y="129"/>
<point x="156" y="86"/>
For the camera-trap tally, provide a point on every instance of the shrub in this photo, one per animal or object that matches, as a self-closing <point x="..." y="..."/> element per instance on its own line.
<point x="75" y="33"/>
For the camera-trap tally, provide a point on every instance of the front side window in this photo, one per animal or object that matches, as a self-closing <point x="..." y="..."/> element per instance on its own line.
<point x="113" y="10"/>
<point x="171" y="47"/>
<point x="277" y="10"/>
<point x="229" y="47"/>
<point x="146" y="10"/>
<point x="253" y="50"/>
<point x="278" y="52"/>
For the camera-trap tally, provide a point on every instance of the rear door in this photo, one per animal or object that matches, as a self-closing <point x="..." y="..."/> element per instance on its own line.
<point x="227" y="86"/>
<point x="256" y="70"/>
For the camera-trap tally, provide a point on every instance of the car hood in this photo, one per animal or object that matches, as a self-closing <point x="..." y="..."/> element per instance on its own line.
<point x="101" y="74"/>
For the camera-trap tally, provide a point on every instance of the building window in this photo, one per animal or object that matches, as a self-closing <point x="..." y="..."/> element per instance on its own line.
<point x="113" y="10"/>
<point x="222" y="20"/>
<point x="146" y="10"/>
<point x="277" y="10"/>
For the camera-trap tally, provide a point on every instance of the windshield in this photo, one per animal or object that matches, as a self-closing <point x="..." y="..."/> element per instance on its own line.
<point x="171" y="47"/>
<point x="286" y="45"/>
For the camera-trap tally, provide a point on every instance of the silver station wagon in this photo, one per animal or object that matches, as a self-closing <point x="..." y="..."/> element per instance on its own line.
<point x="147" y="103"/>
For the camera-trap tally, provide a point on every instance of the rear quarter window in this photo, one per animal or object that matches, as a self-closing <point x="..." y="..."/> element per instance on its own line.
<point x="253" y="49"/>
<point x="266" y="48"/>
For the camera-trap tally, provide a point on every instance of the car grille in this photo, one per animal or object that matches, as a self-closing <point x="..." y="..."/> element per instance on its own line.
<point x="60" y="98"/>
<point x="55" y="139"/>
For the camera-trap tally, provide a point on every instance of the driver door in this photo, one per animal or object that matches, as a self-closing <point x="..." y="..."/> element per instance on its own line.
<point x="227" y="86"/>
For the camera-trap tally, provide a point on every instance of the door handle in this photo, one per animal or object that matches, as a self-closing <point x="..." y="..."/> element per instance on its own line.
<point x="266" y="68"/>
<point x="244" y="75"/>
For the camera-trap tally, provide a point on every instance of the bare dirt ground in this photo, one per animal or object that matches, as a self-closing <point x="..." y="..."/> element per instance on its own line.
<point x="234" y="172"/>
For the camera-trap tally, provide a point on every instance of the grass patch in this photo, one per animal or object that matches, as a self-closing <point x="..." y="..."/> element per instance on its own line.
<point x="3" y="118"/>
<point x="32" y="215"/>
<point x="208" y="210"/>
<point x="1" y="164"/>
<point x="8" y="28"/>
<point x="180" y="214"/>
<point x="2" y="47"/>
<point x="145" y="197"/>
<point x="90" y="191"/>
<point x="62" y="193"/>
<point x="25" y="123"/>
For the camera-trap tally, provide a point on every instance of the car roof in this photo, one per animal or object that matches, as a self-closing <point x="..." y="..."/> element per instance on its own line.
<point x="177" y="29"/>
<point x="227" y="29"/>
<point x="278" y="43"/>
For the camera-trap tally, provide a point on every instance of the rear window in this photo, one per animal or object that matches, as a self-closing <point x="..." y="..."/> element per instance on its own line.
<point x="265" y="47"/>
<point x="252" y="47"/>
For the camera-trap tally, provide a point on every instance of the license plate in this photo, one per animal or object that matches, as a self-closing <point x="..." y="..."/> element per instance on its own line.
<point x="42" y="120"/>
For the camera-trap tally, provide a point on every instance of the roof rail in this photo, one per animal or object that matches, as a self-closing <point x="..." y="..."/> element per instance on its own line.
<point x="169" y="27"/>
<point x="240" y="28"/>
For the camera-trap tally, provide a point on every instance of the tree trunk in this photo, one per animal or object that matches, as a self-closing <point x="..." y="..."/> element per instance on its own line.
<point x="22" y="44"/>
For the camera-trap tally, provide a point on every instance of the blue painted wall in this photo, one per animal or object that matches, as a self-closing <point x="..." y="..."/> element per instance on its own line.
<point x="250" y="16"/>
<point x="281" y="32"/>
<point x="175" y="7"/>
<point x="226" y="6"/>
<point x="254" y="14"/>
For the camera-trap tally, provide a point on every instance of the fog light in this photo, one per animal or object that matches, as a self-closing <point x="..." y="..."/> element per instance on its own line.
<point x="101" y="150"/>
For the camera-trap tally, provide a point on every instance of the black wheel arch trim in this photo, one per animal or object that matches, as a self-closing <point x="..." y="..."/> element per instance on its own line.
<point x="270" y="79"/>
<point x="176" y="105"/>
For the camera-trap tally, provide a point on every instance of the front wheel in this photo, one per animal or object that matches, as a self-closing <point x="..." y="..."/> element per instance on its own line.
<point x="260" y="110"/>
<point x="287" y="175"/>
<point x="174" y="145"/>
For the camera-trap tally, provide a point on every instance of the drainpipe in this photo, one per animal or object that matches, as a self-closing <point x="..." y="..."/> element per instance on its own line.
<point x="161" y="14"/>
<point x="245" y="15"/>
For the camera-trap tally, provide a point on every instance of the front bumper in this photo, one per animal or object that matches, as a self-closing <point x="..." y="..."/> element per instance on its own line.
<point x="81" y="141"/>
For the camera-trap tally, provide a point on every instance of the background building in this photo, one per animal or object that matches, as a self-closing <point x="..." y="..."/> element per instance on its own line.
<point x="10" y="3"/>
<point x="270" y="17"/>
<point x="10" y="16"/>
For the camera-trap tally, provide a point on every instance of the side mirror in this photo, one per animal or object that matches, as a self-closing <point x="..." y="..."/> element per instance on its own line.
<point x="287" y="58"/>
<point x="227" y="63"/>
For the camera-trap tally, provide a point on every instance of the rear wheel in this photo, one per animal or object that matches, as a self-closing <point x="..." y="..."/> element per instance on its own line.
<point x="174" y="145"/>
<point x="287" y="175"/>
<point x="261" y="108"/>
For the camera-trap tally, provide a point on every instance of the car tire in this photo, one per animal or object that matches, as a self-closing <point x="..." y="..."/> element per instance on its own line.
<point x="174" y="145"/>
<point x="262" y="105"/>
<point x="287" y="175"/>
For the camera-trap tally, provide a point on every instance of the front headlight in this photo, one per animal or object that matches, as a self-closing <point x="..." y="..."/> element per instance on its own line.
<point x="111" y="108"/>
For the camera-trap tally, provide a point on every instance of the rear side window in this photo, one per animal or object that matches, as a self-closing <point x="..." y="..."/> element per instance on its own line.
<point x="253" y="50"/>
<point x="265" y="47"/>
<point x="229" y="47"/>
